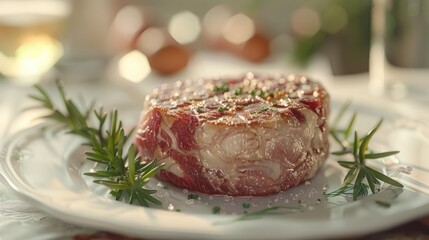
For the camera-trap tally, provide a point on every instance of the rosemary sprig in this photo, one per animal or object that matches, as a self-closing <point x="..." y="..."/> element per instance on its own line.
<point x="266" y="211"/>
<point x="269" y="211"/>
<point x="347" y="191"/>
<point x="360" y="176"/>
<point x="123" y="171"/>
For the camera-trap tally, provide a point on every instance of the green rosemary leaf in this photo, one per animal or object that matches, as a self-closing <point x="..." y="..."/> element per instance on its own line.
<point x="383" y="177"/>
<point x="152" y="172"/>
<point x="344" y="190"/>
<point x="141" y="199"/>
<point x="350" y="176"/>
<point x="101" y="117"/>
<point x="112" y="184"/>
<point x="350" y="126"/>
<point x="139" y="165"/>
<point x="95" y="174"/>
<point x="57" y="116"/>
<point x="363" y="190"/>
<point x="120" y="142"/>
<point x="364" y="144"/>
<point x="340" y="114"/>
<point x="128" y="135"/>
<point x="148" y="191"/>
<point x="148" y="197"/>
<point x="40" y="99"/>
<point x="103" y="174"/>
<point x="131" y="165"/>
<point x="131" y="195"/>
<point x="114" y="123"/>
<point x="109" y="154"/>
<point x="97" y="160"/>
<point x="78" y="119"/>
<point x="116" y="193"/>
<point x="44" y="98"/>
<point x="346" y="164"/>
<point x="96" y="146"/>
<point x="355" y="145"/>
<point x="336" y="138"/>
<point x="148" y="166"/>
<point x="380" y="155"/>
<point x="79" y="132"/>
<point x="97" y="155"/>
<point x="370" y="179"/>
<point x="340" y="153"/>
<point x="358" y="184"/>
<point x="265" y="212"/>
<point x="118" y="165"/>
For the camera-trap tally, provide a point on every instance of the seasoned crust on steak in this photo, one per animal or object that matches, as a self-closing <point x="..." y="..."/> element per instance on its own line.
<point x="253" y="135"/>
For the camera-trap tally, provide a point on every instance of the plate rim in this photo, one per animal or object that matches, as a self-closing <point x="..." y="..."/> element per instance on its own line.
<point x="32" y="197"/>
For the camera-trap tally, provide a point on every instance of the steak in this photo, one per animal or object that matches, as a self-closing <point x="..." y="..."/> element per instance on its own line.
<point x="252" y="135"/>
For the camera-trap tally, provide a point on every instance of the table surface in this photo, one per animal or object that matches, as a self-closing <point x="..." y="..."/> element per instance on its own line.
<point x="20" y="220"/>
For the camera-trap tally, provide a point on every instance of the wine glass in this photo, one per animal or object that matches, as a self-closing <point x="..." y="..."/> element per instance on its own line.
<point x="399" y="57"/>
<point x="30" y="38"/>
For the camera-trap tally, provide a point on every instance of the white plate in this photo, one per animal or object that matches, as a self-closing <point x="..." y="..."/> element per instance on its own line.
<point x="45" y="168"/>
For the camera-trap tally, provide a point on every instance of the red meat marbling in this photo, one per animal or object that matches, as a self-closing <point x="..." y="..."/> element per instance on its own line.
<point x="253" y="135"/>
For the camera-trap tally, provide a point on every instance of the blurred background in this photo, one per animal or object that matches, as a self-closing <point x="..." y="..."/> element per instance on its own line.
<point x="138" y="39"/>
<point x="114" y="51"/>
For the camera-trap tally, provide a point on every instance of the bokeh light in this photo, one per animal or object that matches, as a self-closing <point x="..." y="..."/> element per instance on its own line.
<point x="128" y="21"/>
<point x="239" y="29"/>
<point x="215" y="20"/>
<point x="134" y="66"/>
<point x="305" y="22"/>
<point x="34" y="57"/>
<point x="334" y="19"/>
<point x="151" y="40"/>
<point x="184" y="27"/>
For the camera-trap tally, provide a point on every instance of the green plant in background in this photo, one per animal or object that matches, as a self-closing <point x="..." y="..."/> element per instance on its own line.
<point x="343" y="36"/>
<point x="406" y="33"/>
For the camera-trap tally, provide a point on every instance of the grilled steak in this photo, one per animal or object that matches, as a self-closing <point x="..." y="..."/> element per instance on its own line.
<point x="253" y="135"/>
